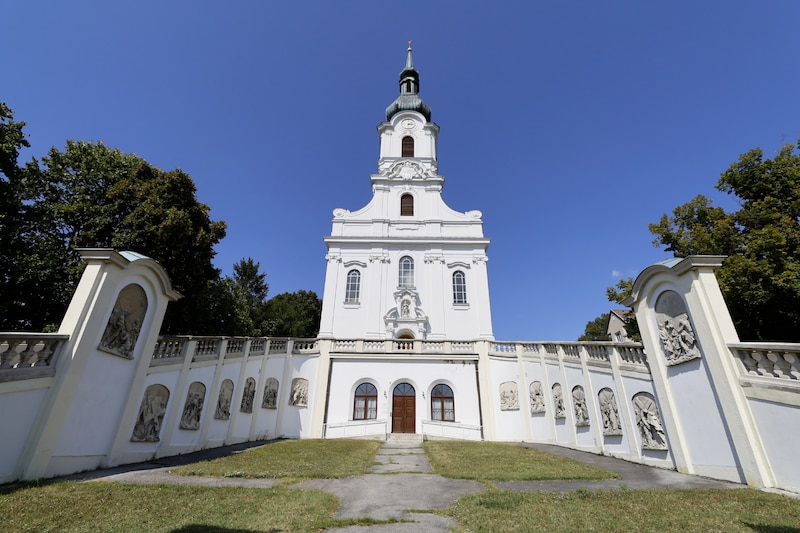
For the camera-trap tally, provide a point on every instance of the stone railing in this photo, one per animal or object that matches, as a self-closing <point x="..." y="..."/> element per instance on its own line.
<point x="630" y="356"/>
<point x="29" y="355"/>
<point x="170" y="350"/>
<point x="769" y="360"/>
<point x="403" y="346"/>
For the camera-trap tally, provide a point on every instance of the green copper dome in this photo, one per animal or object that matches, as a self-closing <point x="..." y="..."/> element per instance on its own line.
<point x="409" y="100"/>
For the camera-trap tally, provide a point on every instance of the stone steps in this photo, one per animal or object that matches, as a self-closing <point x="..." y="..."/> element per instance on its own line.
<point x="404" y="438"/>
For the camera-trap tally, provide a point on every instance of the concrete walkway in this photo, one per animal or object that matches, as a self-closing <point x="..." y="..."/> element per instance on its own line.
<point x="401" y="486"/>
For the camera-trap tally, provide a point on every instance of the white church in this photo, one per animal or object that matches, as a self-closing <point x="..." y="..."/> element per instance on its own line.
<point x="405" y="267"/>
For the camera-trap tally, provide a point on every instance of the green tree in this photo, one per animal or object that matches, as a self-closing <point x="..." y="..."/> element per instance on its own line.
<point x="295" y="314"/>
<point x="90" y="195"/>
<point x="760" y="279"/>
<point x="252" y="283"/>
<point x="12" y="140"/>
<point x="596" y="330"/>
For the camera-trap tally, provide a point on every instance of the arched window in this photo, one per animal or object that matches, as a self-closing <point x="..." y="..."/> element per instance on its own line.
<point x="365" y="405"/>
<point x="443" y="403"/>
<point x="408" y="146"/>
<point x="406" y="205"/>
<point x="459" y="287"/>
<point x="353" y="288"/>
<point x="406" y="277"/>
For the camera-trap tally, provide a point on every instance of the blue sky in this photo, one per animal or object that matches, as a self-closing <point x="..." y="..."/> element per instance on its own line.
<point x="570" y="125"/>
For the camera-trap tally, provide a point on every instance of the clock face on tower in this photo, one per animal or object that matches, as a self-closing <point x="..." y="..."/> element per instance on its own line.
<point x="408" y="123"/>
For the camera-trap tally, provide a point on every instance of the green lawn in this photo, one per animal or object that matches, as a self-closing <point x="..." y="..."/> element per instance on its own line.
<point x="498" y="461"/>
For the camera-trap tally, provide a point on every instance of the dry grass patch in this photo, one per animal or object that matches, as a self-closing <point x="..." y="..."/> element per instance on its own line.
<point x="295" y="459"/>
<point x="745" y="510"/>
<point x="498" y="461"/>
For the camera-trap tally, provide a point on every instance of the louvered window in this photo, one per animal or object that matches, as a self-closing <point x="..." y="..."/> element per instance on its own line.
<point x="408" y="146"/>
<point x="406" y="205"/>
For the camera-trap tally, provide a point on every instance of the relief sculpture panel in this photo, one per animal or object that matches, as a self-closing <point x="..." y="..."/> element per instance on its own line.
<point x="558" y="402"/>
<point x="580" y="407"/>
<point x="509" y="396"/>
<point x="270" y="400"/>
<point x="190" y="419"/>
<point x="675" y="329"/>
<point x="609" y="412"/>
<point x="299" y="394"/>
<point x="223" y="411"/>
<point x="151" y="414"/>
<point x="249" y="396"/>
<point x="649" y="422"/>
<point x="123" y="327"/>
<point x="537" y="398"/>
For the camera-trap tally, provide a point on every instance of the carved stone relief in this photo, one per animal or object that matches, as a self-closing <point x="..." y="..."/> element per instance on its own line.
<point x="537" y="397"/>
<point x="249" y="395"/>
<point x="580" y="407"/>
<point x="558" y="402"/>
<point x="125" y="323"/>
<point x="223" y="411"/>
<point x="649" y="422"/>
<point x="509" y="396"/>
<point x="190" y="419"/>
<point x="609" y="412"/>
<point x="151" y="414"/>
<point x="299" y="394"/>
<point x="270" y="400"/>
<point x="675" y="329"/>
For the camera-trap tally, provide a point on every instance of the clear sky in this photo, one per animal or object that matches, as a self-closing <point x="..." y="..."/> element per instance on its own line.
<point x="570" y="125"/>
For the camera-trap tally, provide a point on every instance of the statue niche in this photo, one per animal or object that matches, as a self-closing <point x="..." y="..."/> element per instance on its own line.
<point x="223" y="411"/>
<point x="125" y="323"/>
<point x="151" y="414"/>
<point x="537" y="398"/>
<point x="190" y="419"/>
<point x="675" y="329"/>
<point x="509" y="396"/>
<point x="558" y="402"/>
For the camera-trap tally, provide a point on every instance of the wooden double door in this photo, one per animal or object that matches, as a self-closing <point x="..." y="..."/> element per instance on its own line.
<point x="404" y="404"/>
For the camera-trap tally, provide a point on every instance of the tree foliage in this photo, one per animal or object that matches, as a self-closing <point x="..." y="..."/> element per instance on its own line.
<point x="760" y="279"/>
<point x="597" y="329"/>
<point x="295" y="314"/>
<point x="619" y="293"/>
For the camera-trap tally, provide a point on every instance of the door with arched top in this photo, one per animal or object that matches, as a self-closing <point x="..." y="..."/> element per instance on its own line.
<point x="404" y="400"/>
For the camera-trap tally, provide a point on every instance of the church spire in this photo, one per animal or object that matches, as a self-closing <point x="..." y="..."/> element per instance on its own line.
<point x="409" y="89"/>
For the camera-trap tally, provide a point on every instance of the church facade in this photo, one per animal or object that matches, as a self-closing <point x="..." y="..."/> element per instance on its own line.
<point x="405" y="268"/>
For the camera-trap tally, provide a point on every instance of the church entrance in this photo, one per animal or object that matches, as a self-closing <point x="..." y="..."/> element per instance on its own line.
<point x="404" y="409"/>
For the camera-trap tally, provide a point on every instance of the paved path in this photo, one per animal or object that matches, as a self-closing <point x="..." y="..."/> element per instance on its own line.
<point x="401" y="486"/>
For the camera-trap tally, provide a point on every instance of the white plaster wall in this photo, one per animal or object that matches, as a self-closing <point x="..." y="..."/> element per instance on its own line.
<point x="19" y="407"/>
<point x="509" y="425"/>
<point x="778" y="428"/>
<point x="541" y="423"/>
<point x="614" y="444"/>
<point x="218" y="429"/>
<point x="296" y="421"/>
<point x="191" y="439"/>
<point x="242" y="421"/>
<point x="634" y="384"/>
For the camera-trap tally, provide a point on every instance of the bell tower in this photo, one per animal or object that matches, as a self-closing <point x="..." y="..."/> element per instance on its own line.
<point x="406" y="265"/>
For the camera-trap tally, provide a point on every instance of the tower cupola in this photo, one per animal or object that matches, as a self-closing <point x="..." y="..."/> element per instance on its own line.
<point x="409" y="99"/>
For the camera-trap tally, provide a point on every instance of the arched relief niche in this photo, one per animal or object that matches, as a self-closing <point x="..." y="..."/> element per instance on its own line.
<point x="270" y="400"/>
<point x="151" y="414"/>
<point x="125" y="322"/>
<point x="223" y="411"/>
<point x="509" y="396"/>
<point x="537" y="397"/>
<point x="558" y="402"/>
<point x="580" y="407"/>
<point x="609" y="412"/>
<point x="649" y="422"/>
<point x="675" y="329"/>
<point x="190" y="419"/>
<point x="299" y="393"/>
<point x="249" y="396"/>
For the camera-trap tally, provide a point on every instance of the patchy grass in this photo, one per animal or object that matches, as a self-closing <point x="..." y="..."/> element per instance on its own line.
<point x="745" y="510"/>
<point x="110" y="507"/>
<point x="498" y="461"/>
<point x="295" y="459"/>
